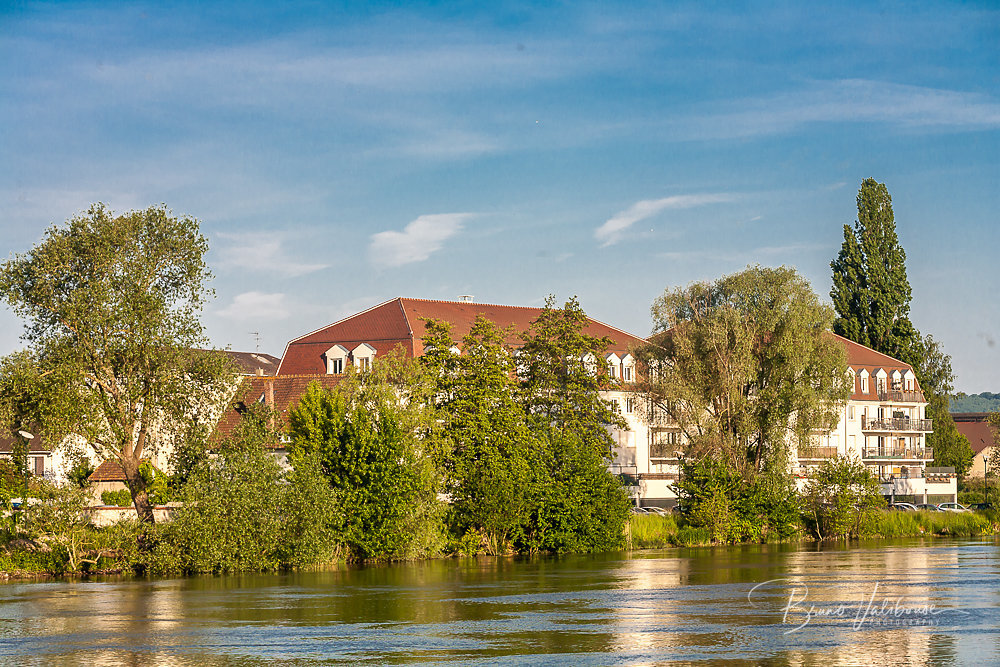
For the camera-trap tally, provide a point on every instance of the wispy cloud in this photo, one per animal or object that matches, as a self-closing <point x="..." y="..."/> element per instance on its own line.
<point x="790" y="251"/>
<point x="417" y="241"/>
<point x="846" y="100"/>
<point x="258" y="251"/>
<point x="614" y="228"/>
<point x="256" y="306"/>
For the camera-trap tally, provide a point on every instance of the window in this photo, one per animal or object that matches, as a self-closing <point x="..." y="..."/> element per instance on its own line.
<point x="363" y="355"/>
<point x="629" y="405"/>
<point x="613" y="371"/>
<point x="337" y="366"/>
<point x="364" y="363"/>
<point x="628" y="366"/>
<point x="881" y="385"/>
<point x="850" y="412"/>
<point x="627" y="373"/>
<point x="335" y="357"/>
<point x="864" y="384"/>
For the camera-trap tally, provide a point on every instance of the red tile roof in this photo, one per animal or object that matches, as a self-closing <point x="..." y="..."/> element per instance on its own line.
<point x="109" y="471"/>
<point x="860" y="357"/>
<point x="35" y="446"/>
<point x="400" y="322"/>
<point x="973" y="425"/>
<point x="286" y="390"/>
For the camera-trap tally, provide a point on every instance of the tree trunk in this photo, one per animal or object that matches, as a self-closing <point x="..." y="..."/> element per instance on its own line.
<point x="137" y="487"/>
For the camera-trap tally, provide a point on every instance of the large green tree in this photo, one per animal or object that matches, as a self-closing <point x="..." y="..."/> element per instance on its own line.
<point x="373" y="436"/>
<point x="741" y="362"/>
<point x="111" y="304"/>
<point x="871" y="295"/>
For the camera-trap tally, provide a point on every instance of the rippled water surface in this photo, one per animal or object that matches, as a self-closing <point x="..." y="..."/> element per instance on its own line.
<point x="917" y="602"/>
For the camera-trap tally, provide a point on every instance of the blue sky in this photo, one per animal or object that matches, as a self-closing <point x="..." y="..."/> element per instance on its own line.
<point x="341" y="155"/>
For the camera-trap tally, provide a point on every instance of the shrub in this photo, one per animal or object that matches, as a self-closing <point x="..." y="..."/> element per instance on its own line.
<point x="840" y="498"/>
<point x="120" y="498"/>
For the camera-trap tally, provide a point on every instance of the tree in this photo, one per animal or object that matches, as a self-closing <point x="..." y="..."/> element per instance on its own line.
<point x="933" y="369"/>
<point x="494" y="462"/>
<point x="839" y="495"/>
<point x="742" y="362"/>
<point x="112" y="304"/>
<point x="372" y="438"/>
<point x="871" y="293"/>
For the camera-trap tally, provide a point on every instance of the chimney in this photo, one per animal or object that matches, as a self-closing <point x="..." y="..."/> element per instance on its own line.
<point x="467" y="298"/>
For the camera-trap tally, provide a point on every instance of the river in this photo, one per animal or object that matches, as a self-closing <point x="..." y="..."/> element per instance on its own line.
<point x="930" y="601"/>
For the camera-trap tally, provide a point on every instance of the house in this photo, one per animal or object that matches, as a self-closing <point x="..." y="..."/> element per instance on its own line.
<point x="41" y="461"/>
<point x="884" y="424"/>
<point x="982" y="437"/>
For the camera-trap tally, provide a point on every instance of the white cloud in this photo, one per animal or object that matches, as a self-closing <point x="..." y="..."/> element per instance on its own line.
<point x="417" y="241"/>
<point x="613" y="230"/>
<point x="256" y="306"/>
<point x="259" y="251"/>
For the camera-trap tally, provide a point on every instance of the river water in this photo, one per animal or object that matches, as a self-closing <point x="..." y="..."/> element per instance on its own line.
<point x="931" y="601"/>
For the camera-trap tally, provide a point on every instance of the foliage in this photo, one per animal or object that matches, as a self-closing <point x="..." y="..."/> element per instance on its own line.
<point x="60" y="521"/>
<point x="121" y="498"/>
<point x="715" y="497"/>
<point x="242" y="513"/>
<point x="562" y="372"/>
<point x="369" y="435"/>
<point x="933" y="369"/>
<point x="909" y="524"/>
<point x="871" y="292"/>
<point x="840" y="496"/>
<point x="111" y="304"/>
<point x="527" y="468"/>
<point x="741" y="362"/>
<point x="80" y="469"/>
<point x="986" y="401"/>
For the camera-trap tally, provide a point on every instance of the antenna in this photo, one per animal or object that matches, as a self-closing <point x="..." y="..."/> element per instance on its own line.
<point x="256" y="335"/>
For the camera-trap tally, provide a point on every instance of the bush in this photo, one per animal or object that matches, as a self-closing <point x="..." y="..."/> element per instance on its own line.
<point x="841" y="499"/>
<point x="120" y="498"/>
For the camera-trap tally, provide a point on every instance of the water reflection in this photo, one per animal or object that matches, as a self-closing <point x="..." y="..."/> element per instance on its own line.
<point x="674" y="606"/>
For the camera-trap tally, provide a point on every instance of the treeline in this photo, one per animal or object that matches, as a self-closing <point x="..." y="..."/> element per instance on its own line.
<point x="483" y="451"/>
<point x="982" y="402"/>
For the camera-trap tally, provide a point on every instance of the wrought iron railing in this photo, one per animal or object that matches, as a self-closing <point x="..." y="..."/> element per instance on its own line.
<point x="898" y="396"/>
<point x="898" y="424"/>
<point x="925" y="454"/>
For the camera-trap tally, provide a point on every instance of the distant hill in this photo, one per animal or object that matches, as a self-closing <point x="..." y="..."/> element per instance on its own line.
<point x="984" y="402"/>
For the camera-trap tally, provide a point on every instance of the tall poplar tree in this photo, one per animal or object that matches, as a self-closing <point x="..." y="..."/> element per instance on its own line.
<point x="871" y="295"/>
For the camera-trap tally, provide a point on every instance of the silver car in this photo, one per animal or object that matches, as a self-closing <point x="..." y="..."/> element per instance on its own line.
<point x="953" y="507"/>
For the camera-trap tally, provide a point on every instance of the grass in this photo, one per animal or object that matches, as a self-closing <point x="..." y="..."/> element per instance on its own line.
<point x="911" y="524"/>
<point x="651" y="531"/>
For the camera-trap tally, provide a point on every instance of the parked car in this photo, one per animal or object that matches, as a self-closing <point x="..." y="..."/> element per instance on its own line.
<point x="640" y="510"/>
<point x="953" y="507"/>
<point x="981" y="507"/>
<point x="903" y="507"/>
<point x="929" y="508"/>
<point x="657" y="510"/>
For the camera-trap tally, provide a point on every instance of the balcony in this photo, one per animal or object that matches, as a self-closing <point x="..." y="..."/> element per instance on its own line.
<point x="817" y="452"/>
<point x="898" y="425"/>
<point x="898" y="396"/>
<point x="664" y="450"/>
<point x="659" y="419"/>
<point x="896" y="453"/>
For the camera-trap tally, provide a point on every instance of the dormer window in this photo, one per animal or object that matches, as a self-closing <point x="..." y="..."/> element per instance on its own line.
<point x="363" y="355"/>
<point x="613" y="364"/>
<point x="590" y="363"/>
<point x="628" y="368"/>
<point x="336" y="358"/>
<point x="864" y="381"/>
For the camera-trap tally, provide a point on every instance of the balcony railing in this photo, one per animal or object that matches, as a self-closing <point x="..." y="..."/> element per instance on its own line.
<point x="659" y="418"/>
<point x="925" y="454"/>
<point x="664" y="450"/>
<point x="817" y="452"/>
<point x="898" y="424"/>
<point x="897" y="396"/>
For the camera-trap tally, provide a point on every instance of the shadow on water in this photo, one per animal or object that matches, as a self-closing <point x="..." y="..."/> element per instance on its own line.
<point x="903" y="602"/>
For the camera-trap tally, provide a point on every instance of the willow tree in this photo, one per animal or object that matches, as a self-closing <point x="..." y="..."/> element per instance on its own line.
<point x="111" y="304"/>
<point x="744" y="365"/>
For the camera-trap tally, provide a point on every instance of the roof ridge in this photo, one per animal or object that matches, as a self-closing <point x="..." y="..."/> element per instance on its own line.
<point x="871" y="349"/>
<point x="326" y="326"/>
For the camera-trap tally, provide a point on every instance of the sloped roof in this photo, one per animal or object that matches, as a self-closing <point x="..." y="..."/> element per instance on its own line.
<point x="286" y="389"/>
<point x="254" y="363"/>
<point x="400" y="322"/>
<point x="109" y="471"/>
<point x="861" y="357"/>
<point x="36" y="445"/>
<point x="973" y="425"/>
